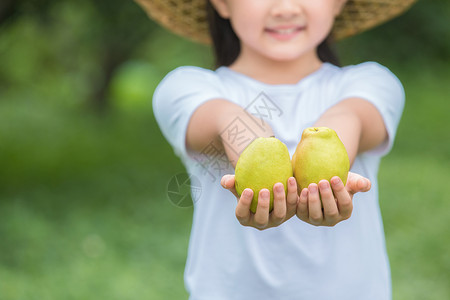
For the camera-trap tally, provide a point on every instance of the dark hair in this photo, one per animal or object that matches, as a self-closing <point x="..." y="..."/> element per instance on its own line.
<point x="226" y="44"/>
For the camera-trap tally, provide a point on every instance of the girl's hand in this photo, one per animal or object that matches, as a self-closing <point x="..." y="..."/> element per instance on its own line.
<point x="284" y="207"/>
<point x="336" y="204"/>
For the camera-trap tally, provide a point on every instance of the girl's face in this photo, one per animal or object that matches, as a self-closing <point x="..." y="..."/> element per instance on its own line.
<point x="280" y="30"/>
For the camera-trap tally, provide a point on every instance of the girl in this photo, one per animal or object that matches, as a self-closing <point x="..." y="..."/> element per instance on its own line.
<point x="275" y="77"/>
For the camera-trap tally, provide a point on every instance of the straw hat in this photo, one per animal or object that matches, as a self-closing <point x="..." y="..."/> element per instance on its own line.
<point x="188" y="17"/>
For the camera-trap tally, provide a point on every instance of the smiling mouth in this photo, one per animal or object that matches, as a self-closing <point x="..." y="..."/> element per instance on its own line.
<point x="285" y="31"/>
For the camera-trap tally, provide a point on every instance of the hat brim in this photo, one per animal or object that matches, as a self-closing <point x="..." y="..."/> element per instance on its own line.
<point x="189" y="18"/>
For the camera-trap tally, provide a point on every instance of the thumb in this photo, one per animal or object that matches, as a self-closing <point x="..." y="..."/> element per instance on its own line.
<point x="227" y="181"/>
<point x="357" y="183"/>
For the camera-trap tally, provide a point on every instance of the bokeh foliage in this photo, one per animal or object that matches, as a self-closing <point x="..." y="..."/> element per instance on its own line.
<point x="84" y="212"/>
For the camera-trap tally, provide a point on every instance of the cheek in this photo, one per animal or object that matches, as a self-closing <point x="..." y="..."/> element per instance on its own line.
<point x="322" y="26"/>
<point x="247" y="18"/>
<point x="246" y="29"/>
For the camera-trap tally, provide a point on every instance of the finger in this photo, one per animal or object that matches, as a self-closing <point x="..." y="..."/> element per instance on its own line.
<point x="228" y="182"/>
<point x="357" y="183"/>
<point x="291" y="198"/>
<point x="330" y="210"/>
<point x="302" y="207"/>
<point x="364" y="184"/>
<point x="223" y="180"/>
<point x="344" y="199"/>
<point x="279" y="204"/>
<point x="243" y="207"/>
<point x="314" y="205"/>
<point x="261" y="217"/>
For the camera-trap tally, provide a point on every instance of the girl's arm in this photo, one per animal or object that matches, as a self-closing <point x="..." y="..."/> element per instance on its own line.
<point x="358" y="124"/>
<point x="225" y="124"/>
<point x="360" y="127"/>
<point x="230" y="128"/>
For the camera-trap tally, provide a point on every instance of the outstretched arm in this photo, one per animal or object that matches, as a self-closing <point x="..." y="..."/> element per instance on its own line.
<point x="213" y="122"/>
<point x="225" y="124"/>
<point x="358" y="124"/>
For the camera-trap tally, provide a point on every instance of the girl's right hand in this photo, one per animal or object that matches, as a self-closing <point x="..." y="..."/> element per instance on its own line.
<point x="284" y="206"/>
<point x="328" y="203"/>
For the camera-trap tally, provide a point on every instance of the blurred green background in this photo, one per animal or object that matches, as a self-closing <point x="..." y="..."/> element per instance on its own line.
<point x="84" y="212"/>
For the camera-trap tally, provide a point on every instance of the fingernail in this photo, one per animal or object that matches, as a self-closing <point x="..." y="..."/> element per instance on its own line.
<point x="247" y="193"/>
<point x="279" y="188"/>
<point x="291" y="181"/>
<point x="305" y="192"/>
<point x="360" y="183"/>
<point x="335" y="180"/>
<point x="313" y="188"/>
<point x="364" y="183"/>
<point x="265" y="194"/>
<point x="324" y="185"/>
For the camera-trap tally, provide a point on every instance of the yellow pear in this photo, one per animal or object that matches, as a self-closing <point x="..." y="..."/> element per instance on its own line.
<point x="319" y="155"/>
<point x="263" y="163"/>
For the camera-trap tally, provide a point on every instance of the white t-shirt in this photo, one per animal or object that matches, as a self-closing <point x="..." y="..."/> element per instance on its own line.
<point x="295" y="260"/>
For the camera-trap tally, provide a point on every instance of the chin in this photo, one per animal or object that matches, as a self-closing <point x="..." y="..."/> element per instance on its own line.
<point x="292" y="53"/>
<point x="285" y="57"/>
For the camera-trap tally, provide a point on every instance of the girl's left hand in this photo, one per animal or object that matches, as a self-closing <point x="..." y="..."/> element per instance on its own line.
<point x="327" y="205"/>
<point x="284" y="205"/>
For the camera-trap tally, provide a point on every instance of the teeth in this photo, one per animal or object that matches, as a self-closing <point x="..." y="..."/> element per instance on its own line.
<point x="285" y="31"/>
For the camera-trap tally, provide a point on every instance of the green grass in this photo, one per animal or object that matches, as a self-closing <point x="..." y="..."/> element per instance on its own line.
<point x="415" y="209"/>
<point x="414" y="189"/>
<point x="84" y="209"/>
<point x="84" y="212"/>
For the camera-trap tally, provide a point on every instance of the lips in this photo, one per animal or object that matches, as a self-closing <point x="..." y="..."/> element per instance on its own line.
<point x="284" y="32"/>
<point x="287" y="30"/>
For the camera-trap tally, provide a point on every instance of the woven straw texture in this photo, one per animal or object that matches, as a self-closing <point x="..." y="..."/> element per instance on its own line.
<point x="188" y="17"/>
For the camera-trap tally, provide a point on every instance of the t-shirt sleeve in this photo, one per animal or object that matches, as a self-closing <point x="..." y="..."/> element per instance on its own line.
<point x="379" y="86"/>
<point x="176" y="98"/>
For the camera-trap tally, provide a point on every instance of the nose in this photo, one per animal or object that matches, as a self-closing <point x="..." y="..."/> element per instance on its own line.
<point x="286" y="8"/>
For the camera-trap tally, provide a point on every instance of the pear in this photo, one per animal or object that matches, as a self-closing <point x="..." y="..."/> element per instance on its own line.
<point x="320" y="154"/>
<point x="264" y="162"/>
